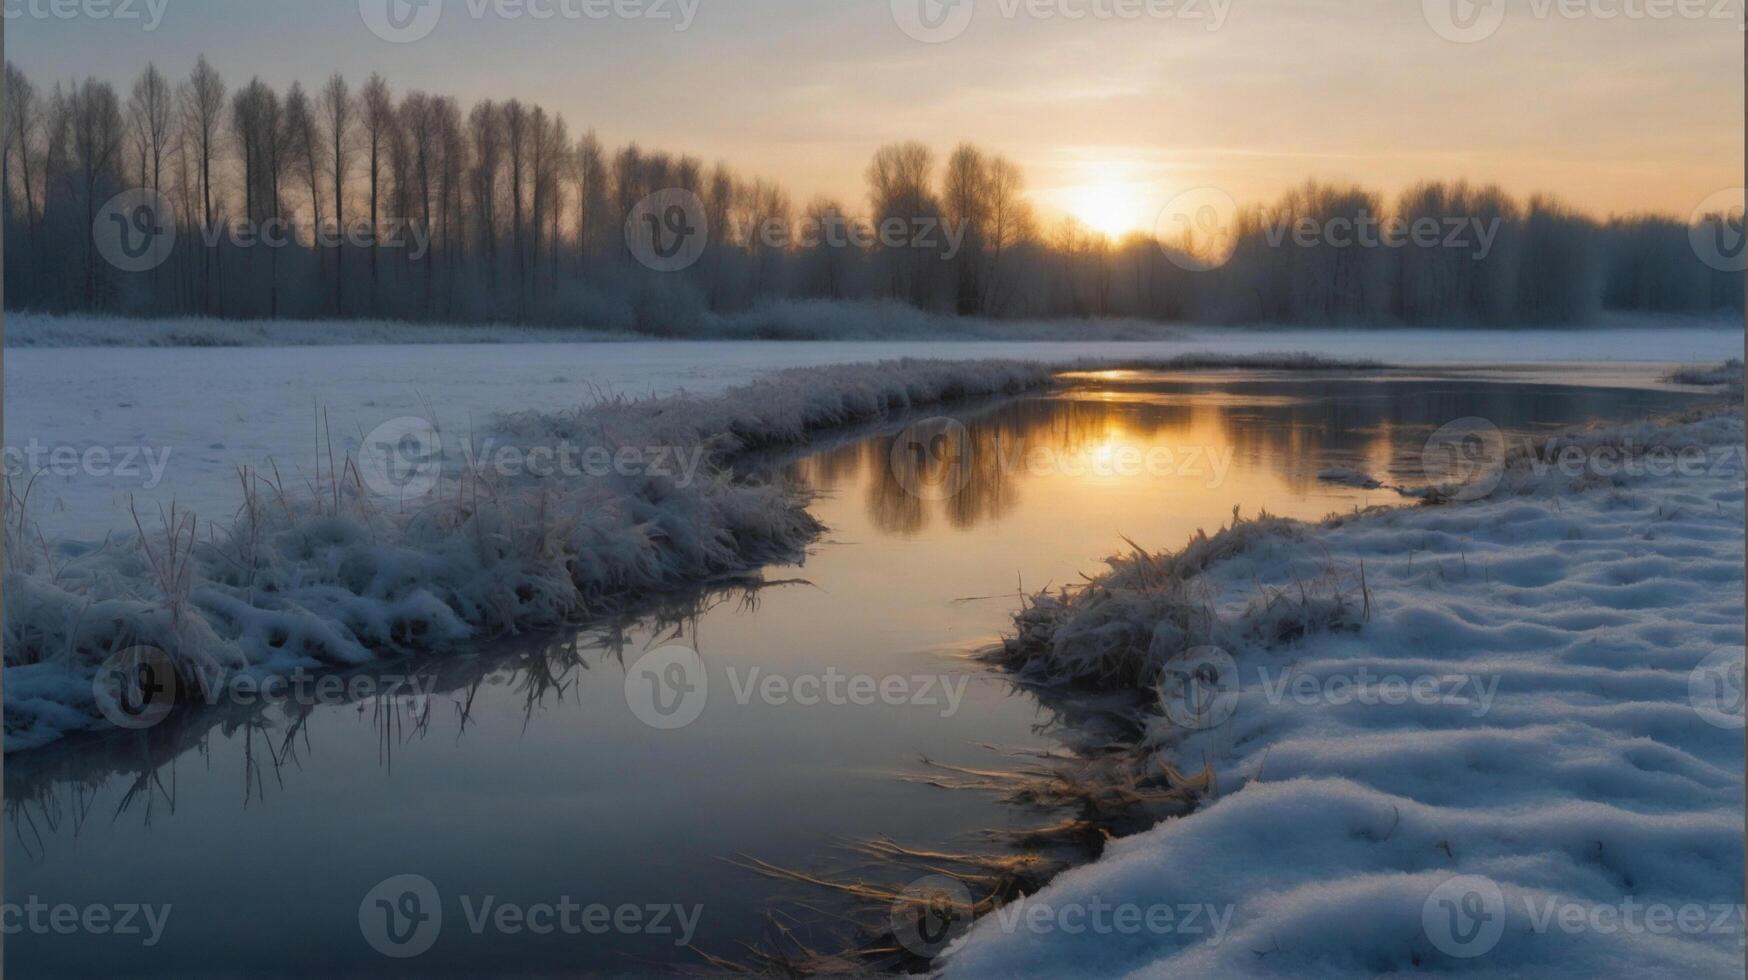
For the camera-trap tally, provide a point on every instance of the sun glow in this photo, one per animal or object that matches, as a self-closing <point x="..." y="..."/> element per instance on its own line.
<point x="1112" y="209"/>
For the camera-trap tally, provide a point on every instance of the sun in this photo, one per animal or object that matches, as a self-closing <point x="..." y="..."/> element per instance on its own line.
<point x="1112" y="208"/>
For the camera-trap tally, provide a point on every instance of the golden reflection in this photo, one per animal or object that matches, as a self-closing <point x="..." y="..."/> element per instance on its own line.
<point x="1166" y="442"/>
<point x="1130" y="450"/>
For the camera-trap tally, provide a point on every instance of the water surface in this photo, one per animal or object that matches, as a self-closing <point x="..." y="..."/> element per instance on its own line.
<point x="528" y="776"/>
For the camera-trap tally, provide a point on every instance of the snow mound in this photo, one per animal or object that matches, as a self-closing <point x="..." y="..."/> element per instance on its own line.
<point x="1506" y="741"/>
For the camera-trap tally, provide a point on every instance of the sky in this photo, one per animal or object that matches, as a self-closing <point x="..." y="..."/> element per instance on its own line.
<point x="1113" y="108"/>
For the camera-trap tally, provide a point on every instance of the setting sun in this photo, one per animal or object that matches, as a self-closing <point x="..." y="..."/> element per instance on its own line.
<point x="1110" y="207"/>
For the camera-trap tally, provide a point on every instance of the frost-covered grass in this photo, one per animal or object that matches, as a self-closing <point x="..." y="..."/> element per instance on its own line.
<point x="1565" y="748"/>
<point x="325" y="574"/>
<point x="1728" y="373"/>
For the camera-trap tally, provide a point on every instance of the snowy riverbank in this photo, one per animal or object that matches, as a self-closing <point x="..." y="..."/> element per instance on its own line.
<point x="605" y="504"/>
<point x="413" y="539"/>
<point x="1501" y="737"/>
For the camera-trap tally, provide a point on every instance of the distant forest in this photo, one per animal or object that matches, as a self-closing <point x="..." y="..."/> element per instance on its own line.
<point x="496" y="213"/>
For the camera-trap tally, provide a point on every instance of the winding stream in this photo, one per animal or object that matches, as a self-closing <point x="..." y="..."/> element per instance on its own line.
<point x="530" y="771"/>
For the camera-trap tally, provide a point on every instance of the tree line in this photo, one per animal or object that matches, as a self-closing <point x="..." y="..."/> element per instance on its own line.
<point x="345" y="201"/>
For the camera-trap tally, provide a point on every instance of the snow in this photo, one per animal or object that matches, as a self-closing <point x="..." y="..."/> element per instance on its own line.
<point x="1569" y="778"/>
<point x="189" y="417"/>
<point x="1568" y="763"/>
<point x="1613" y="337"/>
<point x="334" y="574"/>
<point x="783" y="321"/>
<point x="28" y="330"/>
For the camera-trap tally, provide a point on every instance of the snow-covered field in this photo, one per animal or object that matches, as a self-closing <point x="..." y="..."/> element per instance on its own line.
<point x="1510" y="745"/>
<point x="779" y="322"/>
<point x="174" y="424"/>
<point x="1615" y="336"/>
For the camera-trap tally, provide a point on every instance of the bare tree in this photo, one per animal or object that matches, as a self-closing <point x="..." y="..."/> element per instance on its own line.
<point x="96" y="131"/>
<point x="420" y="126"/>
<point x="203" y="105"/>
<point x="23" y="128"/>
<point x="628" y="182"/>
<point x="1009" y="225"/>
<point x="377" y="119"/>
<point x="264" y="142"/>
<point x="898" y="193"/>
<point x="451" y="210"/>
<point x="965" y="206"/>
<point x="246" y="123"/>
<point x="515" y="116"/>
<point x="769" y="220"/>
<point x="304" y="146"/>
<point x="591" y="176"/>
<point x="486" y="130"/>
<point x="827" y="270"/>
<point x="540" y="160"/>
<point x="150" y="113"/>
<point x="338" y="112"/>
<point x="558" y="162"/>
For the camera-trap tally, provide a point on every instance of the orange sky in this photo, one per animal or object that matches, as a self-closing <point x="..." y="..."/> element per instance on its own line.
<point x="1110" y="113"/>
